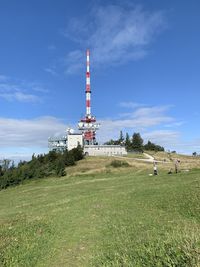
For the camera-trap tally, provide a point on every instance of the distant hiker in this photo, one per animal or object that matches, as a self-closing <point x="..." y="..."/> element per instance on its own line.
<point x="176" y="165"/>
<point x="155" y="171"/>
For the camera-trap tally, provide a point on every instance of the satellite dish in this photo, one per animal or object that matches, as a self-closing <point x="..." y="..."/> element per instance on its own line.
<point x="70" y="130"/>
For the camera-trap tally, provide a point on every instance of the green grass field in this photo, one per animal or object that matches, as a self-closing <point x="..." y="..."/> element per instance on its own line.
<point x="120" y="217"/>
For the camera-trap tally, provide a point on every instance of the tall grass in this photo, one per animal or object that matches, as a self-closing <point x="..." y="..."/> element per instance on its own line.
<point x="122" y="246"/>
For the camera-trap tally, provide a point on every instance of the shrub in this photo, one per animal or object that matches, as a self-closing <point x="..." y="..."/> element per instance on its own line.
<point x="119" y="163"/>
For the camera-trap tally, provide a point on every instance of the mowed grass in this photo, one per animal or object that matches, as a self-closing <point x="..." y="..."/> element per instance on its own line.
<point x="111" y="217"/>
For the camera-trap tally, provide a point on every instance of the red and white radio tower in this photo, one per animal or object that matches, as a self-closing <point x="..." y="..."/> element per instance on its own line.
<point x="88" y="124"/>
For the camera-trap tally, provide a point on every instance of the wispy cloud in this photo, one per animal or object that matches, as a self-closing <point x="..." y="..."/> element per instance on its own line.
<point x="163" y="137"/>
<point x="20" y="138"/>
<point x="21" y="97"/>
<point x="150" y="112"/>
<point x="115" y="34"/>
<point x="173" y="140"/>
<point x="29" y="133"/>
<point x="35" y="132"/>
<point x="51" y="71"/>
<point x="21" y="91"/>
<point x="175" y="124"/>
<point x="74" y="61"/>
<point x="139" y="119"/>
<point x="151" y="122"/>
<point x="131" y="105"/>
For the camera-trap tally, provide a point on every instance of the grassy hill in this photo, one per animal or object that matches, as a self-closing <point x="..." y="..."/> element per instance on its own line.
<point x="98" y="215"/>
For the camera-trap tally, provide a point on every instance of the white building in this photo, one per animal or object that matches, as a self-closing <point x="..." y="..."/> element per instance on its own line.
<point x="104" y="150"/>
<point x="74" y="140"/>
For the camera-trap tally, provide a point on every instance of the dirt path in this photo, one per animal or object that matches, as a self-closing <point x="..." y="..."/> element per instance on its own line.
<point x="148" y="159"/>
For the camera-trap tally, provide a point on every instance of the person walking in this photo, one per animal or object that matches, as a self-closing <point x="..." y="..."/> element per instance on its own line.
<point x="176" y="165"/>
<point x="155" y="171"/>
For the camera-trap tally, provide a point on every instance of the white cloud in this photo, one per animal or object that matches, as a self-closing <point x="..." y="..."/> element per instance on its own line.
<point x="137" y="120"/>
<point x="172" y="140"/>
<point x="34" y="133"/>
<point x="131" y="105"/>
<point x="155" y="111"/>
<point x="21" y="97"/>
<point x="151" y="123"/>
<point x="73" y="68"/>
<point x="162" y="137"/>
<point x="51" y="71"/>
<point x="20" y="138"/>
<point x="115" y="34"/>
<point x="174" y="124"/>
<point x="169" y="139"/>
<point x="8" y="87"/>
<point x="22" y="91"/>
<point x="74" y="61"/>
<point x="189" y="147"/>
<point x="29" y="133"/>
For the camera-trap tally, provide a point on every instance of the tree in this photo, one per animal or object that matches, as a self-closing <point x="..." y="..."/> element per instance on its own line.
<point x="121" y="138"/>
<point x="151" y="146"/>
<point x="60" y="167"/>
<point x="127" y="142"/>
<point x="1" y="170"/>
<point x="52" y="156"/>
<point x="194" y="154"/>
<point x="137" y="142"/>
<point x="5" y="163"/>
<point x="111" y="142"/>
<point x="38" y="167"/>
<point x="77" y="153"/>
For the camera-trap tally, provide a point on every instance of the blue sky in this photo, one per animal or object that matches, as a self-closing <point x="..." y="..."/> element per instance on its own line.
<point x="145" y="62"/>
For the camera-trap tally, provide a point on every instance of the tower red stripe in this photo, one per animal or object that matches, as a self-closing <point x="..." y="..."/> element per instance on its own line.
<point x="87" y="103"/>
<point x="88" y="87"/>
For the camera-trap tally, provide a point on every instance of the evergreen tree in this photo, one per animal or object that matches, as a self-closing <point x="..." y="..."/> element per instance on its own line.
<point x="77" y="153"/>
<point x="1" y="170"/>
<point x="121" y="138"/>
<point x="60" y="167"/>
<point x="137" y="142"/>
<point x="112" y="142"/>
<point x="119" y="141"/>
<point x="127" y="142"/>
<point x="153" y="147"/>
<point x="40" y="166"/>
<point x="5" y="164"/>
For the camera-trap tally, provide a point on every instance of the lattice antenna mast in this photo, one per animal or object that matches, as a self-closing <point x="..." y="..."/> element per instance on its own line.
<point x="88" y="125"/>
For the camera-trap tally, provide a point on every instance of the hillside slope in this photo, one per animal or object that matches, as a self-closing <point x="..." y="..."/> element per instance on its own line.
<point x="97" y="215"/>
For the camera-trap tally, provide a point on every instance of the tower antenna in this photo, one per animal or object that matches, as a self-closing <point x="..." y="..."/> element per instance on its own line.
<point x="88" y="124"/>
